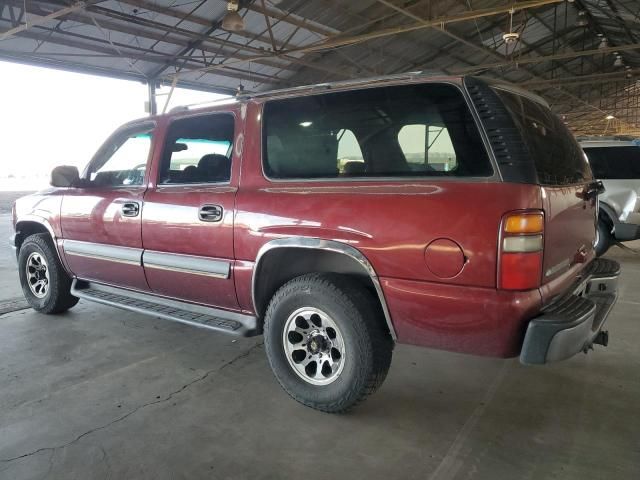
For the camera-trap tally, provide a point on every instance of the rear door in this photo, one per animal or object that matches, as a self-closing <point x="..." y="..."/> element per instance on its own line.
<point x="187" y="227"/>
<point x="564" y="176"/>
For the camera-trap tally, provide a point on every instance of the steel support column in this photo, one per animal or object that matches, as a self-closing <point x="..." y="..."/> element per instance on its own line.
<point x="151" y="89"/>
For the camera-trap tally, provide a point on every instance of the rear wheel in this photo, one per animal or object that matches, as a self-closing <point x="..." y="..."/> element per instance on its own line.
<point x="326" y="341"/>
<point x="604" y="238"/>
<point x="45" y="284"/>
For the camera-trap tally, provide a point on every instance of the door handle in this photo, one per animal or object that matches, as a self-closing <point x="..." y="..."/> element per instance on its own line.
<point x="210" y="213"/>
<point x="130" y="209"/>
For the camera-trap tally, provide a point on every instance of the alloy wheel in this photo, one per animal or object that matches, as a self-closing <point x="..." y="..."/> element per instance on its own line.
<point x="314" y="346"/>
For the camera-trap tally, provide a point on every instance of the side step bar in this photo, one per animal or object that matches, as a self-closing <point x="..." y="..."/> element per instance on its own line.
<point x="174" y="310"/>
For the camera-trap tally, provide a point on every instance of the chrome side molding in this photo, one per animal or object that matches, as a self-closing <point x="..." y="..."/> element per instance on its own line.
<point x="99" y="251"/>
<point x="186" y="264"/>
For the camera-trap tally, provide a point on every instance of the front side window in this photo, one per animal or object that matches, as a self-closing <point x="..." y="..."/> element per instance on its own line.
<point x="122" y="161"/>
<point x="399" y="131"/>
<point x="198" y="150"/>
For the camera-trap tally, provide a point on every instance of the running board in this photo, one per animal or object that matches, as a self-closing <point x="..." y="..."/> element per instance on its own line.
<point x="174" y="310"/>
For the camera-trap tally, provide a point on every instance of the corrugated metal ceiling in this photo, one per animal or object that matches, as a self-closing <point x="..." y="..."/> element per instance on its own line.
<point x="155" y="40"/>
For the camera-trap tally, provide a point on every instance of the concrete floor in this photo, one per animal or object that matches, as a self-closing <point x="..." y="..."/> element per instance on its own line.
<point x="100" y="393"/>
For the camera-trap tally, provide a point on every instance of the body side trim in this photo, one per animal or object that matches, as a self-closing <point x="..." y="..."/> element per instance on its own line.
<point x="128" y="255"/>
<point x="327" y="245"/>
<point x="186" y="264"/>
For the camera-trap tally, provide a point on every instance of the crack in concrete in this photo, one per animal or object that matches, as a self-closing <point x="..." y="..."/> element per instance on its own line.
<point x="137" y="409"/>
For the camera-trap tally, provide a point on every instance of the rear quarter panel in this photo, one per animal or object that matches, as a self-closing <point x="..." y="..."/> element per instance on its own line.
<point x="390" y="222"/>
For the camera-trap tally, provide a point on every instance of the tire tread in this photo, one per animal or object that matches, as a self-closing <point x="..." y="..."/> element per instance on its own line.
<point x="59" y="299"/>
<point x="351" y="295"/>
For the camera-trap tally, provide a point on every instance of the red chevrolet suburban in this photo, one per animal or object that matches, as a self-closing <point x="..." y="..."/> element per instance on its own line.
<point x="337" y="220"/>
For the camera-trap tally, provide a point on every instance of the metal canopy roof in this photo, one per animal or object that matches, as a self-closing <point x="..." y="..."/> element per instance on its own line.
<point x="566" y="51"/>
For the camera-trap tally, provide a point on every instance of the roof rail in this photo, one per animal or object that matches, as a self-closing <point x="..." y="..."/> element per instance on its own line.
<point x="317" y="86"/>
<point x="604" y="138"/>
<point x="212" y="103"/>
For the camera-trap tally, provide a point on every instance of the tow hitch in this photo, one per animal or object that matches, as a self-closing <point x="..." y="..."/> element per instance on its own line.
<point x="602" y="338"/>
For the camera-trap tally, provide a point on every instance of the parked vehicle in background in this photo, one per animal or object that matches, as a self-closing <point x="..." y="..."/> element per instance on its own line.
<point x="337" y="220"/>
<point x="616" y="161"/>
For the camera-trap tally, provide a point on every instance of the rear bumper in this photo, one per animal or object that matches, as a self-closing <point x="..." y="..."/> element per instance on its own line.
<point x="573" y="323"/>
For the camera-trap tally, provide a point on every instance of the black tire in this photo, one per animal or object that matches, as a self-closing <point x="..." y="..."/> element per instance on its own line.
<point x="604" y="239"/>
<point x="361" y="323"/>
<point x="57" y="298"/>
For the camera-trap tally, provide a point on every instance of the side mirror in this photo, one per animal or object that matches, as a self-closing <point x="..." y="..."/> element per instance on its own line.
<point x="64" y="176"/>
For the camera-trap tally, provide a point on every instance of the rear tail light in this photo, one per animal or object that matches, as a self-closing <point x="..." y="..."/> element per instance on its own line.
<point x="520" y="250"/>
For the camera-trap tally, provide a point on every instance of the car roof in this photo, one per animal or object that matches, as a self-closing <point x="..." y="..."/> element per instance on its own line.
<point x="355" y="84"/>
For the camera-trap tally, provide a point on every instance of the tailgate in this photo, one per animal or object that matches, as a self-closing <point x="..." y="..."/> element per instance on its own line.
<point x="554" y="160"/>
<point x="570" y="226"/>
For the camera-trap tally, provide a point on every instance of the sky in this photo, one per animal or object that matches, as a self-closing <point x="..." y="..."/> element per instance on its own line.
<point x="50" y="117"/>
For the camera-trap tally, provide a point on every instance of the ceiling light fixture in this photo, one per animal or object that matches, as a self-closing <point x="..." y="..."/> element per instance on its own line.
<point x="232" y="20"/>
<point x="582" y="19"/>
<point x="610" y="117"/>
<point x="618" y="61"/>
<point x="510" y="37"/>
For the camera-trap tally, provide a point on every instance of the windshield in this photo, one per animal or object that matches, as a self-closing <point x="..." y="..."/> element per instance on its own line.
<point x="614" y="162"/>
<point x="558" y="158"/>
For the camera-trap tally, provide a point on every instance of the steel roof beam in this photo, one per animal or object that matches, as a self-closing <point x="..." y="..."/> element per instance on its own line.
<point x="170" y="12"/>
<point x="340" y="41"/>
<point x="51" y="16"/>
<point x="104" y="47"/>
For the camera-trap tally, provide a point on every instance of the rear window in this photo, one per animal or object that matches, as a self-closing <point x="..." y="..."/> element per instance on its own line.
<point x="400" y="131"/>
<point x="558" y="158"/>
<point x="614" y="162"/>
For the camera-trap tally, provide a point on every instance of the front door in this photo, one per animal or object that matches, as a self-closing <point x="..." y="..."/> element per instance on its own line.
<point x="101" y="218"/>
<point x="187" y="228"/>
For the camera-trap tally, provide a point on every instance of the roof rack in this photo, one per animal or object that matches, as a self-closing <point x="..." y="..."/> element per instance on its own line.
<point x="604" y="138"/>
<point x="314" y="87"/>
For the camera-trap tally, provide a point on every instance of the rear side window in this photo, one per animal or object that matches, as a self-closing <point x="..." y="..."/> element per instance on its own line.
<point x="614" y="162"/>
<point x="428" y="145"/>
<point x="400" y="131"/>
<point x="198" y="150"/>
<point x="558" y="158"/>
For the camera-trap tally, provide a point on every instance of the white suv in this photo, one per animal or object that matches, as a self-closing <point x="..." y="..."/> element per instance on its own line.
<point x="616" y="161"/>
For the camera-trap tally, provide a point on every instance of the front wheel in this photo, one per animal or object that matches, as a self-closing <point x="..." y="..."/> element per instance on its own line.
<point x="604" y="238"/>
<point x="326" y="341"/>
<point x="45" y="284"/>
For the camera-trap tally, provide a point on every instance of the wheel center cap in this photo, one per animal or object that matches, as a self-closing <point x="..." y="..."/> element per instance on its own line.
<point x="317" y="344"/>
